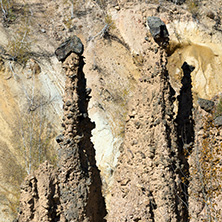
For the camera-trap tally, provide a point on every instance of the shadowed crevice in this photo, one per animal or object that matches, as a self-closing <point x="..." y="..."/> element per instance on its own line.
<point x="95" y="203"/>
<point x="185" y="134"/>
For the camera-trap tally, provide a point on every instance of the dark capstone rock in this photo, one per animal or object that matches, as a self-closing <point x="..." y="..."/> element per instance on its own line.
<point x="59" y="138"/>
<point x="158" y="29"/>
<point x="205" y="104"/>
<point x="187" y="69"/>
<point x="218" y="121"/>
<point x="73" y="44"/>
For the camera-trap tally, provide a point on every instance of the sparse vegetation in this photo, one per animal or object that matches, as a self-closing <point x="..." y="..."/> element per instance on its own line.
<point x="19" y="45"/>
<point x="8" y="13"/>
<point x="138" y="59"/>
<point x="109" y="21"/>
<point x="68" y="22"/>
<point x="73" y="4"/>
<point x="33" y="136"/>
<point x="35" y="131"/>
<point x="36" y="135"/>
<point x="193" y="7"/>
<point x="13" y="174"/>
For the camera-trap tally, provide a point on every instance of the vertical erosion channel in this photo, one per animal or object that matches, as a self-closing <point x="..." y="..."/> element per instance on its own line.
<point x="80" y="182"/>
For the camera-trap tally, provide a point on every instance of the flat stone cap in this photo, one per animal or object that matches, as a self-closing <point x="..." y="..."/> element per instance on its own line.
<point x="157" y="28"/>
<point x="72" y="44"/>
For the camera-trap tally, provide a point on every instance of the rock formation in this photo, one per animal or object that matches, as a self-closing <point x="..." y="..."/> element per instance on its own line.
<point x="158" y="30"/>
<point x="157" y="145"/>
<point x="73" y="192"/>
<point x="80" y="183"/>
<point x="40" y="197"/>
<point x="206" y="105"/>
<point x="154" y="191"/>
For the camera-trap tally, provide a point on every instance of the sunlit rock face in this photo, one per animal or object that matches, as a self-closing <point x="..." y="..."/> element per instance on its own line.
<point x="113" y="69"/>
<point x="107" y="148"/>
<point x="192" y="43"/>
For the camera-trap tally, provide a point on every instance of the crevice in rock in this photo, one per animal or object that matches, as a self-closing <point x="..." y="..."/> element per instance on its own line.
<point x="95" y="203"/>
<point x="185" y="135"/>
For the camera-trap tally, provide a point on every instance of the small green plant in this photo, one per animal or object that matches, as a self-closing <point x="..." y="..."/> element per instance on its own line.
<point x="110" y="22"/>
<point x="8" y="13"/>
<point x="193" y="7"/>
<point x="68" y="22"/>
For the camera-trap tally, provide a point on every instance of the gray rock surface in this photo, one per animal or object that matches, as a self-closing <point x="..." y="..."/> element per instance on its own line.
<point x="73" y="44"/>
<point x="158" y="29"/>
<point x="218" y="121"/>
<point x="205" y="104"/>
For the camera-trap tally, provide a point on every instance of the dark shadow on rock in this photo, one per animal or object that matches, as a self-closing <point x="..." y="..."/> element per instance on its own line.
<point x="96" y="203"/>
<point x="185" y="132"/>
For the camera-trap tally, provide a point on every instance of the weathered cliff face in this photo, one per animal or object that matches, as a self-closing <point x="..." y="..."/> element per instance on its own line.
<point x="40" y="196"/>
<point x="124" y="71"/>
<point x="153" y="190"/>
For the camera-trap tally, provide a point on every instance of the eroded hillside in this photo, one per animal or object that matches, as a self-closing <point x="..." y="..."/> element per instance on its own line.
<point x="138" y="98"/>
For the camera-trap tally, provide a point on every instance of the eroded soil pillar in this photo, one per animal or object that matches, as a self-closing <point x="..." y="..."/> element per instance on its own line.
<point x="80" y="183"/>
